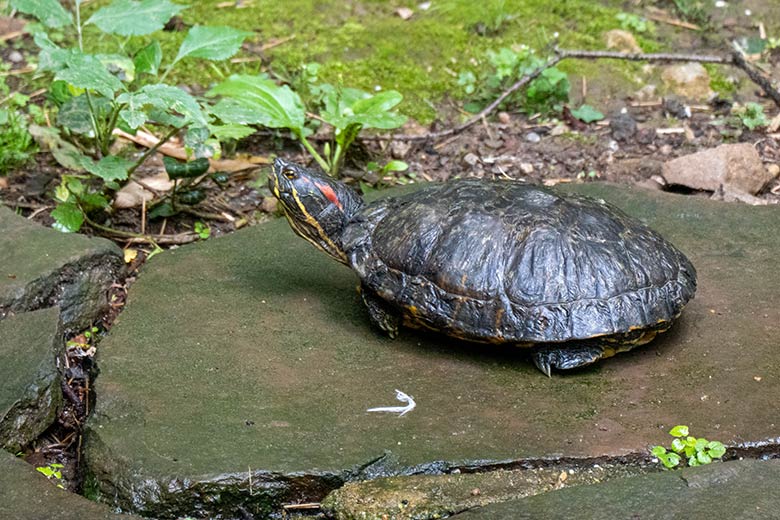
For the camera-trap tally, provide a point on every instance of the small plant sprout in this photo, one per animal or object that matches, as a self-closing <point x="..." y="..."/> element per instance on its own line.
<point x="52" y="472"/>
<point x="697" y="451"/>
<point x="752" y="115"/>
<point x="202" y="230"/>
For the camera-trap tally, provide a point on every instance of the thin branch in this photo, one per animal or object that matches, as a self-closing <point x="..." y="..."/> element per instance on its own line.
<point x="736" y="59"/>
<point x="477" y="117"/>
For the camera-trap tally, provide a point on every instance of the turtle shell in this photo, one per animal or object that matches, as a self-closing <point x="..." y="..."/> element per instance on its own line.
<point x="504" y="261"/>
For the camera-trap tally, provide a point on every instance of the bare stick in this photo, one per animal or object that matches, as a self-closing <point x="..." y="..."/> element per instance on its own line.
<point x="736" y="59"/>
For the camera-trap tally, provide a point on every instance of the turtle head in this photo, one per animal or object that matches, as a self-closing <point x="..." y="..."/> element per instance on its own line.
<point x="316" y="206"/>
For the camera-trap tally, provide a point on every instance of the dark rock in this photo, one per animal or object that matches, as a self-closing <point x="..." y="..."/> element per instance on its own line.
<point x="272" y="331"/>
<point x="30" y="394"/>
<point x="41" y="267"/>
<point x="737" y="489"/>
<point x="622" y="126"/>
<point x="25" y="494"/>
<point x="675" y="108"/>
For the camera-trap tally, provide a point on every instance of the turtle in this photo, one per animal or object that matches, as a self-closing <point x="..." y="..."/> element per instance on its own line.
<point x="572" y="278"/>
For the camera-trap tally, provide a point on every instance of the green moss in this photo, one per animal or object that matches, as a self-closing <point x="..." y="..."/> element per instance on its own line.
<point x="365" y="44"/>
<point x="719" y="81"/>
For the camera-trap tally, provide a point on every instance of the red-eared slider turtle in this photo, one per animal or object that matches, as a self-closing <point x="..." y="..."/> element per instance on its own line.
<point x="573" y="278"/>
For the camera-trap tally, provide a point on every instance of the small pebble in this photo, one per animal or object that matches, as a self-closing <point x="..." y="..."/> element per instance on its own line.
<point x="504" y="118"/>
<point x="470" y="159"/>
<point x="527" y="168"/>
<point x="16" y="57"/>
<point x="533" y="137"/>
<point x="475" y="492"/>
<point x="614" y="146"/>
<point x="774" y="170"/>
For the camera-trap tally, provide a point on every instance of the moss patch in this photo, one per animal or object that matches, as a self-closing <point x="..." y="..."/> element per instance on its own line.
<point x="366" y="45"/>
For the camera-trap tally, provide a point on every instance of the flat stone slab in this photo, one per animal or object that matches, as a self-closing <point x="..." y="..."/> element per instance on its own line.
<point x="42" y="267"/>
<point x="30" y="394"/>
<point x="25" y="494"/>
<point x="252" y="354"/>
<point x="736" y="489"/>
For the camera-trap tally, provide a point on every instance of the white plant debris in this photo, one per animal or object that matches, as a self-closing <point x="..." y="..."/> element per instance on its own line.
<point x="400" y="410"/>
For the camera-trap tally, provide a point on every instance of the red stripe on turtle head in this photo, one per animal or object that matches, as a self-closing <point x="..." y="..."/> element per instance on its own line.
<point x="329" y="194"/>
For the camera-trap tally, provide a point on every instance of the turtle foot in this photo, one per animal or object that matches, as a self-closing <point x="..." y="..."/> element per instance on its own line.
<point x="565" y="358"/>
<point x="382" y="315"/>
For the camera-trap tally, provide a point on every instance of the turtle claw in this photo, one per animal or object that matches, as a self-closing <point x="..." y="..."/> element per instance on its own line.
<point x="542" y="362"/>
<point x="564" y="358"/>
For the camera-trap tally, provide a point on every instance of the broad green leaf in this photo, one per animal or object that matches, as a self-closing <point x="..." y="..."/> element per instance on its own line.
<point x="231" y="131"/>
<point x="211" y="43"/>
<point x="677" y="445"/>
<point x="658" y="451"/>
<point x="693" y="461"/>
<point x="587" y="114"/>
<point x="716" y="449"/>
<point x="700" y="444"/>
<point x="184" y="170"/>
<point x="49" y="12"/>
<point x="93" y="201"/>
<point x="259" y="101"/>
<point x="162" y="210"/>
<point x="155" y="101"/>
<point x="347" y="106"/>
<point x="87" y="72"/>
<point x="75" y="115"/>
<point x="345" y="136"/>
<point x="148" y="59"/>
<point x="65" y="153"/>
<point x="703" y="458"/>
<point x="679" y="431"/>
<point x="132" y="18"/>
<point x="120" y="66"/>
<point x="673" y="460"/>
<point x="67" y="217"/>
<point x="396" y="166"/>
<point x="51" y="57"/>
<point x="111" y="168"/>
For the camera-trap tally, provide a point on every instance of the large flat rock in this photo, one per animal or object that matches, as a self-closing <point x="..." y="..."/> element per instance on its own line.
<point x="738" y="489"/>
<point x="30" y="394"/>
<point x="252" y="355"/>
<point x="41" y="267"/>
<point x="25" y="494"/>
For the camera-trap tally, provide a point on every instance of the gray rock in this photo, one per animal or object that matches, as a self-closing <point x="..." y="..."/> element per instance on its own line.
<point x="25" y="494"/>
<point x="737" y="166"/>
<point x="418" y="497"/>
<point x="622" y="126"/>
<point x="738" y="489"/>
<point x="30" y="394"/>
<point x="41" y="267"/>
<point x="689" y="80"/>
<point x="252" y="355"/>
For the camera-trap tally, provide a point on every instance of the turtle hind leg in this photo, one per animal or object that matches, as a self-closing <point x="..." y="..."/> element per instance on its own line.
<point x="566" y="357"/>
<point x="382" y="315"/>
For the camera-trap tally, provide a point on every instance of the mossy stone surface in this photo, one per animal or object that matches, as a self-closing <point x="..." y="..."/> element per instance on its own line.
<point x="25" y="494"/>
<point x="737" y="489"/>
<point x="253" y="354"/>
<point x="41" y="267"/>
<point x="30" y="394"/>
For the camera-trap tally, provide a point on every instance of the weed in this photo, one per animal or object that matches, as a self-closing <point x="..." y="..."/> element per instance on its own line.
<point x="545" y="94"/>
<point x="635" y="23"/>
<point x="259" y="100"/>
<point x="751" y="115"/>
<point x="697" y="451"/>
<point x="52" y="472"/>
<point x="97" y="93"/>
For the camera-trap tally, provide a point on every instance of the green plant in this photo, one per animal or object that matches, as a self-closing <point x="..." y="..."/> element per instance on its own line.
<point x="52" y="472"/>
<point x="545" y="94"/>
<point x="260" y="101"/>
<point x="391" y="166"/>
<point x="693" y="11"/>
<point x="187" y="190"/>
<point x="635" y="23"/>
<point x="16" y="144"/>
<point x="203" y="230"/>
<point x="751" y="115"/>
<point x="97" y="93"/>
<point x="494" y="17"/>
<point x="697" y="451"/>
<point x="587" y="114"/>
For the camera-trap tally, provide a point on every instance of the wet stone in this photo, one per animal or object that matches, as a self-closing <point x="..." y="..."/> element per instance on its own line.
<point x="737" y="489"/>
<point x="30" y="394"/>
<point x="239" y="375"/>
<point x="25" y="494"/>
<point x="41" y="267"/>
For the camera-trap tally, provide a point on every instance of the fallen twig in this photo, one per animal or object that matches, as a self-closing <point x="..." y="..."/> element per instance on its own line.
<point x="736" y="59"/>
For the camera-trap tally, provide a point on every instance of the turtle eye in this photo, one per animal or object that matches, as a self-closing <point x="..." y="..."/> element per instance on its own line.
<point x="289" y="173"/>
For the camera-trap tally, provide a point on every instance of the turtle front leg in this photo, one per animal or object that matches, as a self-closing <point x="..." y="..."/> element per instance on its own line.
<point x="382" y="315"/>
<point x="566" y="357"/>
